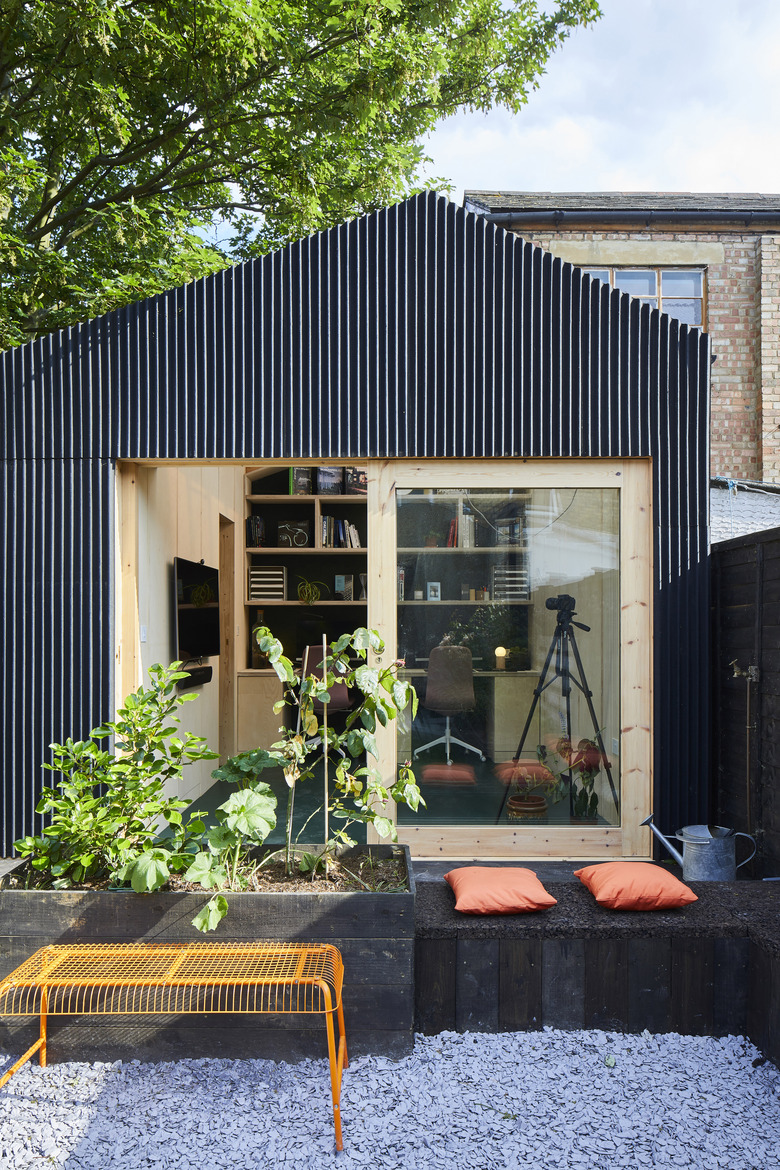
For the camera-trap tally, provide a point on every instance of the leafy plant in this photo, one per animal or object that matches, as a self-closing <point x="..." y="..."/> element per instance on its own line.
<point x="309" y="593"/>
<point x="110" y="803"/>
<point x="483" y="628"/>
<point x="110" y="820"/>
<point x="358" y="793"/>
<point x="582" y="764"/>
<point x="526" y="776"/>
<point x="243" y="822"/>
<point x="127" y="131"/>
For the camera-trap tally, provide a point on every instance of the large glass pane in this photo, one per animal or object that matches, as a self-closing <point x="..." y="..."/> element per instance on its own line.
<point x="508" y="626"/>
<point x="598" y="274"/>
<point x="679" y="282"/>
<point x="637" y="281"/>
<point x="688" y="312"/>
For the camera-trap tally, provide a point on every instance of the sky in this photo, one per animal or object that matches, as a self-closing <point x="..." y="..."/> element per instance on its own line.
<point x="658" y="95"/>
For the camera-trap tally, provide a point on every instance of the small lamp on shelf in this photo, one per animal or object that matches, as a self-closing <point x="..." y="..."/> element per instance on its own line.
<point x="500" y="653"/>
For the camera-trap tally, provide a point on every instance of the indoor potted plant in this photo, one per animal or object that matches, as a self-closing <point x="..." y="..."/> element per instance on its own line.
<point x="529" y="780"/>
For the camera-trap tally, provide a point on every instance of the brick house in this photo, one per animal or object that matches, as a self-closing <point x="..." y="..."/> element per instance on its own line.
<point x="708" y="259"/>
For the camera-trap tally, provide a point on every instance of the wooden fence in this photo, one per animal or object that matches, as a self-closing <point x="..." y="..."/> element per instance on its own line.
<point x="745" y="748"/>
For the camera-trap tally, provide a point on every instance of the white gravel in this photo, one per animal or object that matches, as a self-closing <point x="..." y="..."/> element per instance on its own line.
<point x="597" y="1100"/>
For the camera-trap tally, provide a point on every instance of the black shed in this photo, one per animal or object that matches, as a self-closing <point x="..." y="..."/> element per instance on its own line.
<point x="540" y="420"/>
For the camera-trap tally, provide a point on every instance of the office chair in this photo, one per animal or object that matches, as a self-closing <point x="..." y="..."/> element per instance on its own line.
<point x="449" y="691"/>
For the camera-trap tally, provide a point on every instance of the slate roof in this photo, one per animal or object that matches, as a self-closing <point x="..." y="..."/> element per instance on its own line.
<point x="668" y="201"/>
<point x="742" y="508"/>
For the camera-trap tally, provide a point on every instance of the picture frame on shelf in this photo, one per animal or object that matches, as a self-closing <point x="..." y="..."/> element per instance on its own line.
<point x="344" y="586"/>
<point x="294" y="533"/>
<point x="434" y="591"/>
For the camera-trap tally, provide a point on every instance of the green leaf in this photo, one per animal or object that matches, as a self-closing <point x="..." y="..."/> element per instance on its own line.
<point x="221" y="838"/>
<point x="149" y="871"/>
<point x="211" y="914"/>
<point x="252" y="812"/>
<point x="205" y="871"/>
<point x="385" y="828"/>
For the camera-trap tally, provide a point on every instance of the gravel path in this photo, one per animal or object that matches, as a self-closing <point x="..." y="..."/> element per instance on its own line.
<point x="543" y="1100"/>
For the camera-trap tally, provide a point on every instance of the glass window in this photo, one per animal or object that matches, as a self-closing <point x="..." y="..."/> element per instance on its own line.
<point x="637" y="281"/>
<point x="676" y="291"/>
<point x="508" y="618"/>
<point x="687" y="311"/>
<point x="681" y="282"/>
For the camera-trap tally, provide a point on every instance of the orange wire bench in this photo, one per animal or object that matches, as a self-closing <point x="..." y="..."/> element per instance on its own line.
<point x="181" y="979"/>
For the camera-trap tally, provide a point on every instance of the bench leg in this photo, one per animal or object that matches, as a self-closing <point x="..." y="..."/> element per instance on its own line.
<point x="22" y="1060"/>
<point x="39" y="1046"/>
<point x="343" y="1041"/>
<point x="44" y="1025"/>
<point x="337" y="1062"/>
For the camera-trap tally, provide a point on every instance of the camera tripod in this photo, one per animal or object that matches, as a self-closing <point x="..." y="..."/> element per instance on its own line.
<point x="563" y="640"/>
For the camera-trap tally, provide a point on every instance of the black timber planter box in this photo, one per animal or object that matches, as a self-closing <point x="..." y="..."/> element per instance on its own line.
<point x="373" y="931"/>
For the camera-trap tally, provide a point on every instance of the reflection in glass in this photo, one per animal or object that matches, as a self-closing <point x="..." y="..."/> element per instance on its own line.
<point x="519" y="642"/>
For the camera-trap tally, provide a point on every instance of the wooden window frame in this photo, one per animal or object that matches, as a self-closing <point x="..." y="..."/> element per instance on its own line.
<point x="633" y="479"/>
<point x="658" y="269"/>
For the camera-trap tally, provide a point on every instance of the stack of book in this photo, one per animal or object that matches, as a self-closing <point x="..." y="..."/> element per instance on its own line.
<point x="337" y="533"/>
<point x="467" y="531"/>
<point x="255" y="531"/>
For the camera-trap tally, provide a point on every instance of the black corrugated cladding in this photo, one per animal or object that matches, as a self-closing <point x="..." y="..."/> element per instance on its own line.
<point x="421" y="330"/>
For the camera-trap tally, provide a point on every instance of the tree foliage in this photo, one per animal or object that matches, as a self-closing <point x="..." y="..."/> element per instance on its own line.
<point x="128" y="128"/>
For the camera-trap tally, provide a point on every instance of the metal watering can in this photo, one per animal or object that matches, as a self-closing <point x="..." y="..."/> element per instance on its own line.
<point x="709" y="851"/>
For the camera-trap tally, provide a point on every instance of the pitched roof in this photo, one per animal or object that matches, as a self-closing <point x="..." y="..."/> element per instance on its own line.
<point x="669" y="201"/>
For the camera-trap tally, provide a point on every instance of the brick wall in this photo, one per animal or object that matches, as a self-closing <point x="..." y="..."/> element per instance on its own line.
<point x="770" y="357"/>
<point x="744" y="321"/>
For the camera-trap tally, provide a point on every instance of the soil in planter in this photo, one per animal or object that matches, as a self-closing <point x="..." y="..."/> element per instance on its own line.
<point x="381" y="875"/>
<point x="378" y="874"/>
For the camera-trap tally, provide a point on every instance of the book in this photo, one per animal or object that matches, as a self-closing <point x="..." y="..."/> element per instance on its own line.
<point x="255" y="531"/>
<point x="466" y="531"/>
<point x="301" y="481"/>
<point x="355" y="481"/>
<point x="329" y="481"/>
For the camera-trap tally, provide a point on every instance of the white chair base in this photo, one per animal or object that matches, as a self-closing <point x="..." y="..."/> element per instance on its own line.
<point x="448" y="739"/>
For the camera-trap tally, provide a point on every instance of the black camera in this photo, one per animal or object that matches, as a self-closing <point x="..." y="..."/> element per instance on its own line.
<point x="564" y="602"/>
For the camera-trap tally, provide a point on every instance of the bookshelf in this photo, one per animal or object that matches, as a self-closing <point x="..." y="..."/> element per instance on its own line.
<point x="305" y="555"/>
<point x="463" y="570"/>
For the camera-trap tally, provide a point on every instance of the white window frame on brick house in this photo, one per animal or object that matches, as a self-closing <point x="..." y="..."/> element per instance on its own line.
<point x="647" y="283"/>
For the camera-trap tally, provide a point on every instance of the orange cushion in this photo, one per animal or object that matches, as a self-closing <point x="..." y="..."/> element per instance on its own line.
<point x="634" y="885"/>
<point x="482" y="889"/>
<point x="529" y="771"/>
